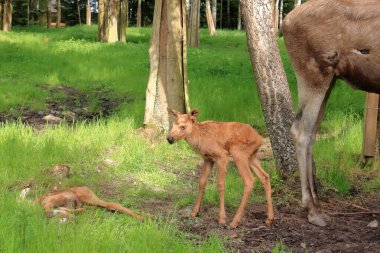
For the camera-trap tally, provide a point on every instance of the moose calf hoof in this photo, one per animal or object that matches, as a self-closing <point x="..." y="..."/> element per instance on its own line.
<point x="269" y="222"/>
<point x="232" y="226"/>
<point x="194" y="214"/>
<point x="316" y="220"/>
<point x="222" y="221"/>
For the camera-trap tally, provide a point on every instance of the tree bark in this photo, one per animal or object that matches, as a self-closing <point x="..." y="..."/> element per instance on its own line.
<point x="193" y="36"/>
<point x="188" y="7"/>
<point x="112" y="35"/>
<point x="102" y="32"/>
<point x="79" y="17"/>
<point x="213" y="10"/>
<point x="48" y="14"/>
<point x="271" y="80"/>
<point x="210" y="21"/>
<point x="138" y="24"/>
<point x="123" y="20"/>
<point x="88" y="13"/>
<point x="297" y="3"/>
<point x="239" y="17"/>
<point x="7" y="22"/>
<point x="58" y="20"/>
<point x="1" y="15"/>
<point x="167" y="85"/>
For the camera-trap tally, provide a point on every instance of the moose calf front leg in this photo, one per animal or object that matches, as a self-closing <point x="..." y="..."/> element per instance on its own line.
<point x="222" y="171"/>
<point x="204" y="173"/>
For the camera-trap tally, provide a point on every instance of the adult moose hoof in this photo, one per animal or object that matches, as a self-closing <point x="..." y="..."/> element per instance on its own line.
<point x="317" y="220"/>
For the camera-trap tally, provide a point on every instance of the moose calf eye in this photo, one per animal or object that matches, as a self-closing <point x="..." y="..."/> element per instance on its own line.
<point x="183" y="127"/>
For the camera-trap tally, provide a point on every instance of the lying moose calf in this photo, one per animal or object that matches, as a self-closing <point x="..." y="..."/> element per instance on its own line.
<point x="71" y="200"/>
<point x="216" y="142"/>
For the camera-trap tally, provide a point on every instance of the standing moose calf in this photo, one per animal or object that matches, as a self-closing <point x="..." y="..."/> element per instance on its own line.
<point x="328" y="40"/>
<point x="216" y="142"/>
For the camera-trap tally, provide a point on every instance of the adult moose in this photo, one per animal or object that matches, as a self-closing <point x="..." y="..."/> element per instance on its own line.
<point x="328" y="40"/>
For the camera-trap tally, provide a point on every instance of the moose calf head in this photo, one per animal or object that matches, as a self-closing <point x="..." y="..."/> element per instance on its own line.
<point x="182" y="126"/>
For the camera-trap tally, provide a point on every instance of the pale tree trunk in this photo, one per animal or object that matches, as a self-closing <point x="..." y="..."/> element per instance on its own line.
<point x="7" y="22"/>
<point x="188" y="7"/>
<point x="88" y="13"/>
<point x="210" y="21"/>
<point x="123" y="20"/>
<point x="213" y="10"/>
<point x="138" y="24"/>
<point x="276" y="15"/>
<point x="58" y="19"/>
<point x="79" y="17"/>
<point x="48" y="14"/>
<point x="297" y="3"/>
<point x="239" y="17"/>
<point x="167" y="85"/>
<point x="112" y="35"/>
<point x="1" y="15"/>
<point x="281" y="14"/>
<point x="102" y="32"/>
<point x="193" y="36"/>
<point x="271" y="80"/>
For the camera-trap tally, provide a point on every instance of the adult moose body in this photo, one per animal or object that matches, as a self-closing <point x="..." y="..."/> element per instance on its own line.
<point x="328" y="40"/>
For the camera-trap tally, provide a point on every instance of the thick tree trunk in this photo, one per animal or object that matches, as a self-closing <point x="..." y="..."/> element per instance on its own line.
<point x="112" y="35"/>
<point x="48" y="14"/>
<point x="213" y="10"/>
<point x="58" y="20"/>
<point x="239" y="17"/>
<point x="79" y="17"/>
<point x="271" y="80"/>
<point x="123" y="20"/>
<point x="88" y="13"/>
<point x="193" y="36"/>
<point x="1" y="15"/>
<point x="210" y="21"/>
<point x="7" y="21"/>
<point x="297" y="3"/>
<point x="138" y="24"/>
<point x="167" y="85"/>
<point x="102" y="32"/>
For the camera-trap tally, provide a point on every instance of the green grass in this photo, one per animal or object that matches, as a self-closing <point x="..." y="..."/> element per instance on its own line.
<point x="221" y="86"/>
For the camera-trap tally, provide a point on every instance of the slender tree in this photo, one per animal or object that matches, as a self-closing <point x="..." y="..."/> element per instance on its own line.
<point x="213" y="10"/>
<point x="58" y="17"/>
<point x="102" y="32"/>
<point x="123" y="20"/>
<point x="1" y="15"/>
<point x="193" y="36"/>
<point x="221" y="14"/>
<point x="167" y="85"/>
<point x="48" y="14"/>
<point x="210" y="20"/>
<point x="112" y="30"/>
<point x="270" y="79"/>
<point x="88" y="13"/>
<point x="188" y="7"/>
<point x="27" y="13"/>
<point x="7" y="19"/>
<point x="79" y="17"/>
<point x="297" y="3"/>
<point x="228" y="14"/>
<point x="239" y="17"/>
<point x="281" y="15"/>
<point x="138" y="24"/>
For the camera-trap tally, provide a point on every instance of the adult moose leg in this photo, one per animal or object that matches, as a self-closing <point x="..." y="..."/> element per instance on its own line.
<point x="205" y="172"/>
<point x="313" y="95"/>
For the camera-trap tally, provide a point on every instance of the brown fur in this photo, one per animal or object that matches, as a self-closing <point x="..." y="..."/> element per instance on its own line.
<point x="328" y="40"/>
<point x="216" y="142"/>
<point x="71" y="200"/>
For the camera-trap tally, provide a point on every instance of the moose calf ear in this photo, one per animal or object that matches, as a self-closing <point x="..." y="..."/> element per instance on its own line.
<point x="194" y="113"/>
<point x="173" y="112"/>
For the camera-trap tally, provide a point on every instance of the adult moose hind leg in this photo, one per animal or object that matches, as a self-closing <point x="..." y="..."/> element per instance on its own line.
<point x="205" y="172"/>
<point x="313" y="95"/>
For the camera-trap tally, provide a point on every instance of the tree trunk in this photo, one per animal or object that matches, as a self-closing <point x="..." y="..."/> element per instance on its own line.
<point x="27" y="13"/>
<point x="213" y="10"/>
<point x="297" y="3"/>
<point x="88" y="13"/>
<point x="276" y="15"/>
<point x="7" y="22"/>
<point x="210" y="21"/>
<point x="239" y="17"/>
<point x="48" y="14"/>
<point x="123" y="20"/>
<point x="271" y="80"/>
<point x="102" y="32"/>
<point x="221" y="14"/>
<point x="58" y="19"/>
<point x="79" y="17"/>
<point x="193" y="36"/>
<point x="228" y="15"/>
<point x="1" y="15"/>
<point x="167" y="85"/>
<point x="112" y="35"/>
<point x="188" y="7"/>
<point x="138" y="24"/>
<point x="281" y="15"/>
